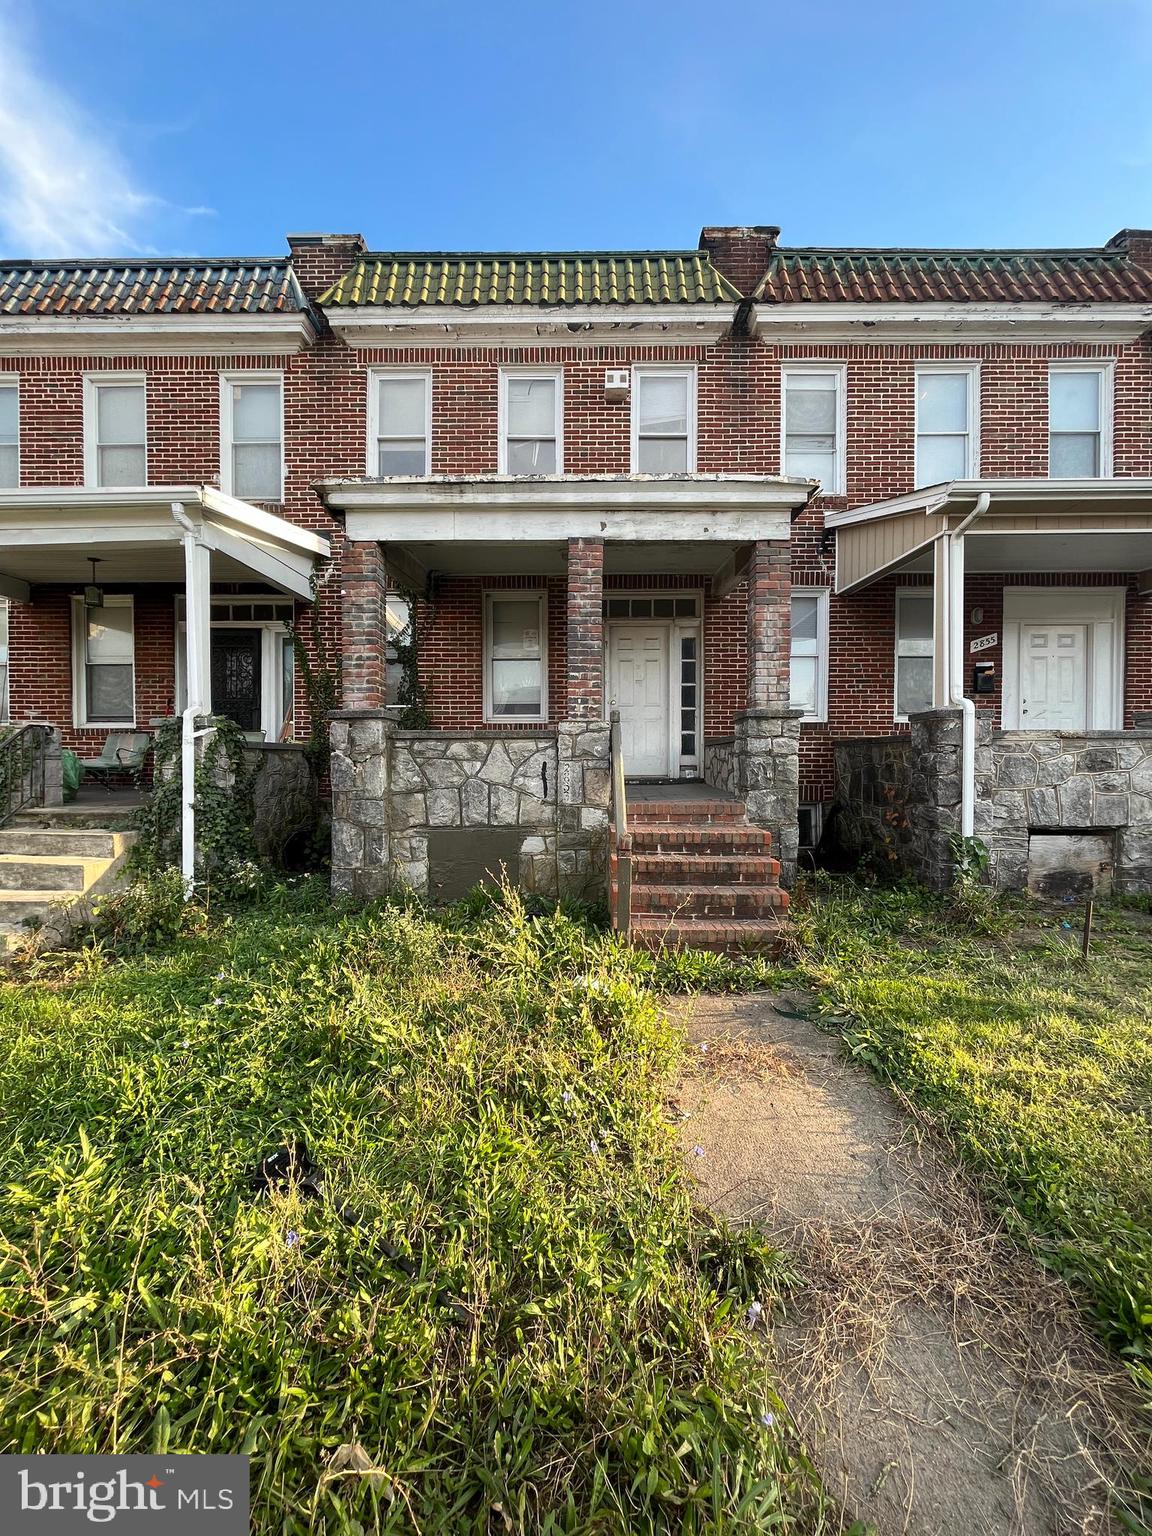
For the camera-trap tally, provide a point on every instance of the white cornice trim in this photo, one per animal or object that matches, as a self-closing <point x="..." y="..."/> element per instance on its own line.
<point x="118" y="335"/>
<point x="510" y="492"/>
<point x="942" y="498"/>
<point x="1037" y="323"/>
<point x="371" y="326"/>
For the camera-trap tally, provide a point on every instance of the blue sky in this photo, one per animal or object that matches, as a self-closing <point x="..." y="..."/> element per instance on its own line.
<point x="216" y="127"/>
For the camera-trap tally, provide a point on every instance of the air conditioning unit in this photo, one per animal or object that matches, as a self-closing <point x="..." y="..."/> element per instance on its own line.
<point x="617" y="382"/>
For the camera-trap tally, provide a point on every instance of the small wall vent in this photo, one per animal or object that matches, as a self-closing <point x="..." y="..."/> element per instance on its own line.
<point x="617" y="382"/>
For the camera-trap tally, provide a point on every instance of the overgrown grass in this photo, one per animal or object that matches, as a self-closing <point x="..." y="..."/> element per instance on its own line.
<point x="1038" y="1064"/>
<point x="505" y="1300"/>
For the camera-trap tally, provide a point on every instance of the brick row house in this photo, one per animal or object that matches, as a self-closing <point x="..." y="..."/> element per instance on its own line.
<point x="827" y="528"/>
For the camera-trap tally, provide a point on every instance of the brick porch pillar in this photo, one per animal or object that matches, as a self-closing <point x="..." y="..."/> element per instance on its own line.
<point x="364" y="588"/>
<point x="585" y="691"/>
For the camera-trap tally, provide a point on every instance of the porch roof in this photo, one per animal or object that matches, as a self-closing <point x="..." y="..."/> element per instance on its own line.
<point x="50" y="535"/>
<point x="1032" y="525"/>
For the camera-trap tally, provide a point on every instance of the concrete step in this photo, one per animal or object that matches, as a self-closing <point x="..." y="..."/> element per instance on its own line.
<point x="701" y="812"/>
<point x="47" y="873"/>
<point x="732" y="838"/>
<point x="83" y="816"/>
<point x="704" y="869"/>
<point x="719" y="901"/>
<point x="16" y="905"/>
<point x="64" y="842"/>
<point x="728" y="935"/>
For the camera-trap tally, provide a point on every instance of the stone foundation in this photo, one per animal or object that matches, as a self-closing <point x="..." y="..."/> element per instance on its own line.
<point x="760" y="765"/>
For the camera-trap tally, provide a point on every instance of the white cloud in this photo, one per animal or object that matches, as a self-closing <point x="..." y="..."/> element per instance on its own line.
<point x="64" y="187"/>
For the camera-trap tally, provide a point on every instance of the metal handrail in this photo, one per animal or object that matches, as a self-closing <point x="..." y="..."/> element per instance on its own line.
<point x="23" y="753"/>
<point x="621" y="837"/>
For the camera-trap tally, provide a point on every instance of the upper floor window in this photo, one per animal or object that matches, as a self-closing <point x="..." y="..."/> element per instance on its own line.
<point x="813" y="426"/>
<point x="531" y="423"/>
<point x="809" y="665"/>
<point x="399" y="417"/>
<point x="9" y="433"/>
<point x="252" y="436"/>
<point x="115" y="431"/>
<point x="1079" y="421"/>
<point x="915" y="626"/>
<point x="947" y="418"/>
<point x="663" y="421"/>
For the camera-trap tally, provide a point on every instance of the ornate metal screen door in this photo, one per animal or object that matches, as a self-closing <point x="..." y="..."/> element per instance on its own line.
<point x="236" y="676"/>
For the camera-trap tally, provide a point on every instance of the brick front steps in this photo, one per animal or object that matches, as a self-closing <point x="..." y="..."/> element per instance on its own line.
<point x="702" y="878"/>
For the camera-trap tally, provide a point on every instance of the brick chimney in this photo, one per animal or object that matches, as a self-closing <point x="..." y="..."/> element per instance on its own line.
<point x="318" y="260"/>
<point x="742" y="252"/>
<point x="1136" y="243"/>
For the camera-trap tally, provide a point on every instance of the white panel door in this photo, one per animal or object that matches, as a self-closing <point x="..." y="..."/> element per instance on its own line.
<point x="638" y="688"/>
<point x="1053" y="677"/>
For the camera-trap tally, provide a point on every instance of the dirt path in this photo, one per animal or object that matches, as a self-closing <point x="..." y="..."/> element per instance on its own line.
<point x="943" y="1380"/>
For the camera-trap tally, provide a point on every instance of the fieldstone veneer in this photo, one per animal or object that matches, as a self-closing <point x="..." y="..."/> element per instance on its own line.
<point x="415" y="807"/>
<point x="760" y="764"/>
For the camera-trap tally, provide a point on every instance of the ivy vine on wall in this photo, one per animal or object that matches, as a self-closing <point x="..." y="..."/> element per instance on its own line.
<point x="322" y="676"/>
<point x="413" y="693"/>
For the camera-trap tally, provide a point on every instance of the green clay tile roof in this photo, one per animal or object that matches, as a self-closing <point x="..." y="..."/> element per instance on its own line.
<point x="411" y="279"/>
<point x="197" y="286"/>
<point x="797" y="276"/>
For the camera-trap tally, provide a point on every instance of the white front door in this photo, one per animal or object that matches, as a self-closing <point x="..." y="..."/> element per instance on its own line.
<point x="1053" y="677"/>
<point x="638" y="688"/>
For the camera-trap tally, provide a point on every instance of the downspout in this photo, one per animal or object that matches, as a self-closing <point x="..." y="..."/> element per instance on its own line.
<point x="957" y="698"/>
<point x="193" y="707"/>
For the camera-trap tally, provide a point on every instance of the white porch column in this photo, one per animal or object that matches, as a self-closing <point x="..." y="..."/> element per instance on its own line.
<point x="942" y="659"/>
<point x="198" y="631"/>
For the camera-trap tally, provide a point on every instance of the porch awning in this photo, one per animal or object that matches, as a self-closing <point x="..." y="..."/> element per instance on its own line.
<point x="1030" y="526"/>
<point x="51" y="534"/>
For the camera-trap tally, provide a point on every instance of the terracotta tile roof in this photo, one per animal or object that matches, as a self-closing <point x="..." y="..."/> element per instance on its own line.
<point x="152" y="287"/>
<point x="796" y="275"/>
<point x="575" y="277"/>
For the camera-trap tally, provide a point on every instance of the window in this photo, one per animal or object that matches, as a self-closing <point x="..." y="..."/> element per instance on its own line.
<point x="9" y="434"/>
<point x="531" y="411"/>
<point x="1079" y="422"/>
<point x="947" y="446"/>
<point x="398" y="618"/>
<point x="104" y="689"/>
<point x="515" y="682"/>
<point x="811" y="823"/>
<point x="5" y="707"/>
<point x="399" y="414"/>
<point x="809" y="652"/>
<point x="663" y="421"/>
<point x="115" y="432"/>
<point x="914" y="666"/>
<point x="813" y="426"/>
<point x="252" y="437"/>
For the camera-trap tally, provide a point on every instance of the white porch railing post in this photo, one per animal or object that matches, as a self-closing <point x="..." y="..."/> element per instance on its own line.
<point x="198" y="620"/>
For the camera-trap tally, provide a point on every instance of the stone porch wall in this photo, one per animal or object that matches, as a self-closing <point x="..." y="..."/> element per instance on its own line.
<point x="535" y="802"/>
<point x="761" y="765"/>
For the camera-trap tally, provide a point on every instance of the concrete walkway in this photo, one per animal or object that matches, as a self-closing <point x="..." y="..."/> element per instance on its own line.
<point x="943" y="1380"/>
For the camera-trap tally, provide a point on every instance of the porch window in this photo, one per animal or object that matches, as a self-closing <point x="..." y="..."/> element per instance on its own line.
<point x="5" y="706"/>
<point x="252" y="437"/>
<point x="398" y="618"/>
<point x="531" y="411"/>
<point x="809" y="653"/>
<point x="1078" y="422"/>
<point x="104" y="686"/>
<point x="515" y="683"/>
<point x="663" y="421"/>
<point x="399" y="414"/>
<point x="115" y="432"/>
<point x="813" y="426"/>
<point x="946" y="425"/>
<point x="9" y="434"/>
<point x="914" y="627"/>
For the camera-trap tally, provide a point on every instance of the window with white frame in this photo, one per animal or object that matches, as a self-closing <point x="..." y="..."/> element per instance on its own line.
<point x="663" y="421"/>
<point x="813" y="426"/>
<point x="115" y="431"/>
<point x="809" y="652"/>
<point x="252" y="436"/>
<point x="9" y="433"/>
<point x="947" y="424"/>
<point x="399" y="423"/>
<point x="103" y="662"/>
<point x="1079" y="422"/>
<point x="531" y="423"/>
<point x="5" y="706"/>
<point x="398" y="617"/>
<point x="515" y="668"/>
<point x="914" y="665"/>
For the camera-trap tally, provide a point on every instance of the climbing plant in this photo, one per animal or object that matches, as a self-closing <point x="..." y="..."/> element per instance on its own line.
<point x="412" y="693"/>
<point x="321" y="674"/>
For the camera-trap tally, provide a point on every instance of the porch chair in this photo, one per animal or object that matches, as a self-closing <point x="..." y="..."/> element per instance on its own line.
<point x="123" y="752"/>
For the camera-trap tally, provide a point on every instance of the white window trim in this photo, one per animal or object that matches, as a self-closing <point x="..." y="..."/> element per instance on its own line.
<point x="822" y="613"/>
<point x="92" y="383"/>
<point x="901" y="594"/>
<point x="243" y="376"/>
<point x="644" y="370"/>
<point x="80" y="661"/>
<point x="972" y="371"/>
<point x="12" y="381"/>
<point x="372" y="460"/>
<point x="526" y="372"/>
<point x="1102" y="610"/>
<point x="840" y="372"/>
<point x="1105" y="370"/>
<point x="515" y="594"/>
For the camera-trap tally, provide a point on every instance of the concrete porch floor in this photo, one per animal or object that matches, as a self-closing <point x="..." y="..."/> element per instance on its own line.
<point x="673" y="789"/>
